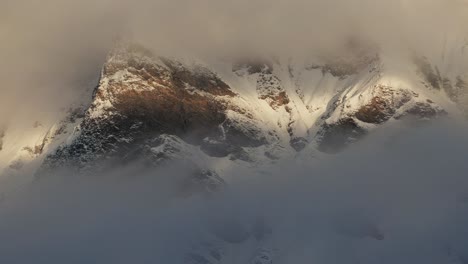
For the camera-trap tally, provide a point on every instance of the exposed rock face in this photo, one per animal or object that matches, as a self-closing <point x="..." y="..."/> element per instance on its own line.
<point x="268" y="85"/>
<point x="155" y="110"/>
<point x="163" y="97"/>
<point x="160" y="150"/>
<point x="242" y="131"/>
<point x="269" y="88"/>
<point x="382" y="104"/>
<point x="426" y="110"/>
<point x="336" y="136"/>
<point x="141" y="96"/>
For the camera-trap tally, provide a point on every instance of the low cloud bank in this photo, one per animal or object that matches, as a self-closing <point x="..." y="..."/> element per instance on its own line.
<point x="401" y="196"/>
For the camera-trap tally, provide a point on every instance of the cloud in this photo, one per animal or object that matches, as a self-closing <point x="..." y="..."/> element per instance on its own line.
<point x="412" y="188"/>
<point x="49" y="48"/>
<point x="393" y="199"/>
<point x="409" y="187"/>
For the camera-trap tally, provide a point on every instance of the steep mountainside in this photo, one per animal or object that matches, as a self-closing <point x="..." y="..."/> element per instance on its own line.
<point x="248" y="111"/>
<point x="239" y="112"/>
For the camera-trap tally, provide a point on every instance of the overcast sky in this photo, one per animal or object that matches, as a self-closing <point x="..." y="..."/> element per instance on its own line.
<point x="47" y="46"/>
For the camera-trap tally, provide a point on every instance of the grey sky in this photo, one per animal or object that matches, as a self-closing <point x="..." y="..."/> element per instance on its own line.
<point x="47" y="46"/>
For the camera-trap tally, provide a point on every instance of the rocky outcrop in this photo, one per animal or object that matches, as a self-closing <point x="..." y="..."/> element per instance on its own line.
<point x="425" y="110"/>
<point x="334" y="137"/>
<point x="269" y="88"/>
<point x="382" y="104"/>
<point x="268" y="85"/>
<point x="141" y="96"/>
<point x="385" y="102"/>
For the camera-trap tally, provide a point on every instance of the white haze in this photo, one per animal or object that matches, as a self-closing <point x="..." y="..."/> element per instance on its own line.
<point x="49" y="50"/>
<point x="412" y="186"/>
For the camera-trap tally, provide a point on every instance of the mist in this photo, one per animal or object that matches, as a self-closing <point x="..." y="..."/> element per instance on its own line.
<point x="48" y="48"/>
<point x="389" y="199"/>
<point x="399" y="196"/>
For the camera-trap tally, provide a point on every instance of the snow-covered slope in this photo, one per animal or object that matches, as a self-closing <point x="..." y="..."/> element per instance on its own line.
<point x="239" y="113"/>
<point x="26" y="142"/>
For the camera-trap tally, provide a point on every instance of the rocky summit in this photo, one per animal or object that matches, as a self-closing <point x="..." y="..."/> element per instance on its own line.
<point x="155" y="109"/>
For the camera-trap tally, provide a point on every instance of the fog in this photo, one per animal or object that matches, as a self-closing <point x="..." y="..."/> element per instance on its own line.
<point x="389" y="199"/>
<point x="47" y="48"/>
<point x="410" y="187"/>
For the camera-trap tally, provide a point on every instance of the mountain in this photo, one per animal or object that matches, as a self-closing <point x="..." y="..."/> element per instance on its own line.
<point x="238" y="112"/>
